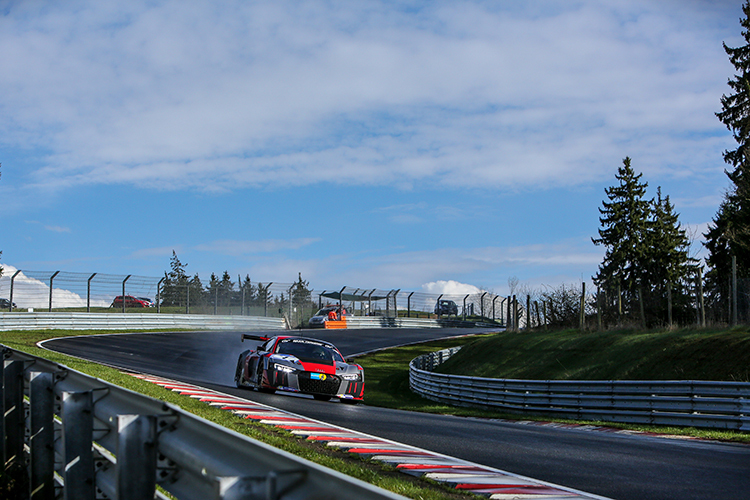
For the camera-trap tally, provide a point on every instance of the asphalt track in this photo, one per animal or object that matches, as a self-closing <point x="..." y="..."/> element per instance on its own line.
<point x="617" y="466"/>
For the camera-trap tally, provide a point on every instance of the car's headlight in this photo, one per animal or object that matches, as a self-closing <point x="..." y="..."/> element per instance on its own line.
<point x="283" y="368"/>
<point x="351" y="376"/>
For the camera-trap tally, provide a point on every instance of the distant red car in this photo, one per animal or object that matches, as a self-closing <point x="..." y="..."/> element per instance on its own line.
<point x="299" y="364"/>
<point x="130" y="301"/>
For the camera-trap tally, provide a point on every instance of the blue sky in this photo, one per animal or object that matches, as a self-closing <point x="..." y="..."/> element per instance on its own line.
<point x="369" y="144"/>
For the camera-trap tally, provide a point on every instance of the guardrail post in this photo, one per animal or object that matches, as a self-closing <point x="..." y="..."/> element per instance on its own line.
<point x="14" y="413"/>
<point x="136" y="456"/>
<point x="42" y="436"/>
<point x="78" y="457"/>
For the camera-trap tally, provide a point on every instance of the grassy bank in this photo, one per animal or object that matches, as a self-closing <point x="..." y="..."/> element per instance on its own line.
<point x="687" y="354"/>
<point x="571" y="355"/>
<point x="372" y="472"/>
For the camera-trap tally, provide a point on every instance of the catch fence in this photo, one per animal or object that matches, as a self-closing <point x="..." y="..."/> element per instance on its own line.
<point x="62" y="291"/>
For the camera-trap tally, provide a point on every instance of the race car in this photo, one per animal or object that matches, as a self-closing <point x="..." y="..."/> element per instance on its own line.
<point x="299" y="364"/>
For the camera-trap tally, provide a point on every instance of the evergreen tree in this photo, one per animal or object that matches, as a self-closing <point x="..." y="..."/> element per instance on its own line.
<point x="624" y="234"/>
<point x="196" y="290"/>
<point x="251" y="292"/>
<point x="669" y="245"/>
<point x="175" y="283"/>
<point x="729" y="232"/>
<point x="647" y="250"/>
<point x="226" y="287"/>
<point x="301" y="292"/>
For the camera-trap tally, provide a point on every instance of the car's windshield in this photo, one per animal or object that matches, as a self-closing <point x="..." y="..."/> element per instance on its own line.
<point x="306" y="350"/>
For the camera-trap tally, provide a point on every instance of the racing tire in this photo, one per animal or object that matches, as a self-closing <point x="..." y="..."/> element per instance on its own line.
<point x="238" y="374"/>
<point x="258" y="383"/>
<point x="321" y="397"/>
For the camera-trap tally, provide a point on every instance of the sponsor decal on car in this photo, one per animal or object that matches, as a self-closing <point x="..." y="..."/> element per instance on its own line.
<point x="318" y="376"/>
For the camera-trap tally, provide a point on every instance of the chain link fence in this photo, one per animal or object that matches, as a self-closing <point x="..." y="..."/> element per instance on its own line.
<point x="27" y="290"/>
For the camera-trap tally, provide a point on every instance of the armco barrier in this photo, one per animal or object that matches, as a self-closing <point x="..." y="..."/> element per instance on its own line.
<point x="720" y="405"/>
<point x="354" y="322"/>
<point x="134" y="321"/>
<point x="92" y="439"/>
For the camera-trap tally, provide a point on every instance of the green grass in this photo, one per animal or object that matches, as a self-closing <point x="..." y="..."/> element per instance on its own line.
<point x="380" y="475"/>
<point x="687" y="354"/>
<point x="546" y="354"/>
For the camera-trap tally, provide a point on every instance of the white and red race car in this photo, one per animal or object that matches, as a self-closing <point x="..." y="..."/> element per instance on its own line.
<point x="299" y="364"/>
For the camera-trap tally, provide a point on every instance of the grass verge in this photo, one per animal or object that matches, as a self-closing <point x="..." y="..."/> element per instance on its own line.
<point x="375" y="473"/>
<point x="388" y="371"/>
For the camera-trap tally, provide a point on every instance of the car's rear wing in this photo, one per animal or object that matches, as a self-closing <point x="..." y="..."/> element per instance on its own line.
<point x="253" y="337"/>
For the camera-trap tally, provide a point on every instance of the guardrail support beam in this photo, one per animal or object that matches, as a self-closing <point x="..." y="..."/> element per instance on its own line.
<point x="14" y="413"/>
<point x="78" y="433"/>
<point x="136" y="456"/>
<point x="42" y="436"/>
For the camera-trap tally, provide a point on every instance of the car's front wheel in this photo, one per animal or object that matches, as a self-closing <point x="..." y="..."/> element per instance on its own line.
<point x="259" y="382"/>
<point x="238" y="374"/>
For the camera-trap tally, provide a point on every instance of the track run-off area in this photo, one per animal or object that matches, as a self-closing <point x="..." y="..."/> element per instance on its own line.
<point x="616" y="465"/>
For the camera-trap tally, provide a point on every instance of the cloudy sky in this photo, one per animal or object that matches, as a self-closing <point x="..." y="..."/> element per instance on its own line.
<point x="371" y="144"/>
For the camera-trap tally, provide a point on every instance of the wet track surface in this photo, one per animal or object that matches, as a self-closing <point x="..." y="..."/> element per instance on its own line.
<point x="613" y="465"/>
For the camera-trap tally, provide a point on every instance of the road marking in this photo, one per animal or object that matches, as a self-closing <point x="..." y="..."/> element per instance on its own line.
<point x="460" y="474"/>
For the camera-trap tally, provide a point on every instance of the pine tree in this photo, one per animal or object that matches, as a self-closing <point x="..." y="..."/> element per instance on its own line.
<point x="671" y="266"/>
<point x="175" y="283"/>
<point x="624" y="234"/>
<point x="729" y="232"/>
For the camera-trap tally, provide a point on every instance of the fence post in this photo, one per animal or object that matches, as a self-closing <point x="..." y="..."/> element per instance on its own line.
<point x="582" y="315"/>
<point x="12" y="279"/>
<point x="408" y="305"/>
<point x="509" y="321"/>
<point x="158" y="295"/>
<point x="88" y="293"/>
<point x="481" y="304"/>
<point x="598" y="308"/>
<point x="41" y="439"/>
<point x="78" y="432"/>
<point x="734" y="290"/>
<point x="50" y="289"/>
<point x="123" y="292"/>
<point x="700" y="295"/>
<point x="136" y="456"/>
<point x="669" y="303"/>
<point x="528" y="312"/>
<point x="395" y="303"/>
<point x="643" y="311"/>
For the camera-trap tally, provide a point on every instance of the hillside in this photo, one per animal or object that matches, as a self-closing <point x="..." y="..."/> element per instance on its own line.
<point x="687" y="354"/>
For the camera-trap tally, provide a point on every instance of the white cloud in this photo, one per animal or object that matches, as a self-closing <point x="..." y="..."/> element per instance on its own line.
<point x="31" y="293"/>
<point x="218" y="97"/>
<point x="450" y="287"/>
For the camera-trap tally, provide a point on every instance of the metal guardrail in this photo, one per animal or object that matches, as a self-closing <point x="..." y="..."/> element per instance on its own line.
<point x="134" y="321"/>
<point x="354" y="322"/>
<point x="720" y="405"/>
<point x="92" y="439"/>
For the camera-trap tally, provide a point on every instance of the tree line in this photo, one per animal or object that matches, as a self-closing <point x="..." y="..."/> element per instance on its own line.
<point x="180" y="289"/>
<point x="647" y="276"/>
